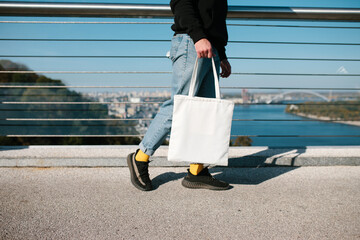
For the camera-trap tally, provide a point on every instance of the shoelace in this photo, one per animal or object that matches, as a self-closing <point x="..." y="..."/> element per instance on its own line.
<point x="144" y="172"/>
<point x="209" y="175"/>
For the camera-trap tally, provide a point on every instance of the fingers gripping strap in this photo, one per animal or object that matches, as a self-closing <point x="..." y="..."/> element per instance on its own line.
<point x="193" y="79"/>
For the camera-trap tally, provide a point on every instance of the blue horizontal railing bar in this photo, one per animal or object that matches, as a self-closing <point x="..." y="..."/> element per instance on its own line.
<point x="168" y="72"/>
<point x="163" y="11"/>
<point x="49" y="109"/>
<point x="142" y="119"/>
<point x="32" y="86"/>
<point x="84" y="22"/>
<point x="165" y="57"/>
<point x="118" y="103"/>
<point x="289" y="26"/>
<point x="121" y="135"/>
<point x="306" y="43"/>
<point x="166" y="40"/>
<point x="168" y="87"/>
<point x="228" y="24"/>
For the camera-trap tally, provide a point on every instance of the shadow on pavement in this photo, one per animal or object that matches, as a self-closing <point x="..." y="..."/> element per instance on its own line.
<point x="249" y="176"/>
<point x="250" y="169"/>
<point x="167" y="177"/>
<point x="268" y="157"/>
<point x="245" y="176"/>
<point x="259" y="167"/>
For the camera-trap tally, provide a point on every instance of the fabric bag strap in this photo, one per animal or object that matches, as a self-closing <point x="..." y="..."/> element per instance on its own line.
<point x="193" y="79"/>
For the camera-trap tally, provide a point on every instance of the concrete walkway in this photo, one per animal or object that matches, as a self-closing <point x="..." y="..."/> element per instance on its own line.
<point x="100" y="203"/>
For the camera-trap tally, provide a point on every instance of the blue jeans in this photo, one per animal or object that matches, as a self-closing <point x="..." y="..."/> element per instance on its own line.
<point x="183" y="56"/>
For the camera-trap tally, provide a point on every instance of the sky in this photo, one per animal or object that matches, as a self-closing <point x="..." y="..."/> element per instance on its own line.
<point x="163" y="32"/>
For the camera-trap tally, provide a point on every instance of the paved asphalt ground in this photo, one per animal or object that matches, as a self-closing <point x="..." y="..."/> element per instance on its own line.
<point x="100" y="203"/>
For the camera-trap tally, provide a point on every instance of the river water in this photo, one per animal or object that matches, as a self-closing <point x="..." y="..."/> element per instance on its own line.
<point x="289" y="128"/>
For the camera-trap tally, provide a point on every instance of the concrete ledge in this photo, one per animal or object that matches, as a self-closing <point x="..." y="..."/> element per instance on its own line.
<point x="115" y="156"/>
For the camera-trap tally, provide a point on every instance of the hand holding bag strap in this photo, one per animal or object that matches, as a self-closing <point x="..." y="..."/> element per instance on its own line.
<point x="193" y="79"/>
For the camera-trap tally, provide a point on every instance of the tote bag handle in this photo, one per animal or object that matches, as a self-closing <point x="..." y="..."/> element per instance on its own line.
<point x="193" y="79"/>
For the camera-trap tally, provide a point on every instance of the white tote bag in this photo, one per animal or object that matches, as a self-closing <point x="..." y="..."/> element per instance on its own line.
<point x="200" y="131"/>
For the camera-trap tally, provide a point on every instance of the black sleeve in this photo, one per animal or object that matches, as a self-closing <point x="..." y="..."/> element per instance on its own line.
<point x="188" y="17"/>
<point x="222" y="53"/>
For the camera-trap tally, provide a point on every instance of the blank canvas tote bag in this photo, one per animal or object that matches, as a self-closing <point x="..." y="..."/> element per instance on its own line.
<point x="200" y="131"/>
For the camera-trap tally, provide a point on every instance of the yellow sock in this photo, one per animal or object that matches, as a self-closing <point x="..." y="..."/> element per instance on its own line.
<point x="142" y="157"/>
<point x="196" y="168"/>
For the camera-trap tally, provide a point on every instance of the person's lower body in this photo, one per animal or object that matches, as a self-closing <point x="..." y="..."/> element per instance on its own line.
<point x="183" y="56"/>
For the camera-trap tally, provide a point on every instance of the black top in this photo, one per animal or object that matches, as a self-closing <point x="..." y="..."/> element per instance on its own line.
<point x="202" y="19"/>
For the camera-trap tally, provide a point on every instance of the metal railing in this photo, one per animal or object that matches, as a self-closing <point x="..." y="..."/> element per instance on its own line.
<point x="163" y="11"/>
<point x="155" y="11"/>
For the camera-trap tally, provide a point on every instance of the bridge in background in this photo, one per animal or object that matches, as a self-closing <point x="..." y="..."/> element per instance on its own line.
<point x="282" y="95"/>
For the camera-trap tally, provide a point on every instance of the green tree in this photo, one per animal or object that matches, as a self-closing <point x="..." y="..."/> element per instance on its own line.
<point x="72" y="111"/>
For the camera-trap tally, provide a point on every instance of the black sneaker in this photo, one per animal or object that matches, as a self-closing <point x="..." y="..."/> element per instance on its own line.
<point x="203" y="180"/>
<point x="139" y="172"/>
